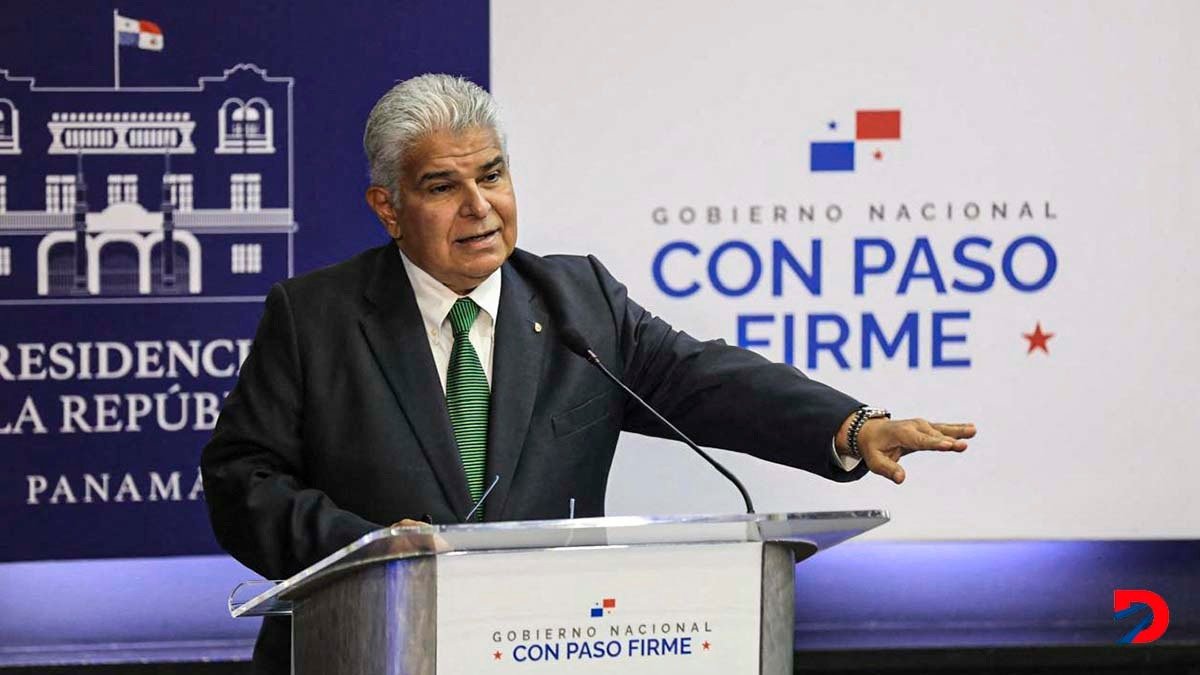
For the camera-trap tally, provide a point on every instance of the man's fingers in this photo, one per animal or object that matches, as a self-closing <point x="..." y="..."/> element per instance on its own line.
<point x="958" y="430"/>
<point x="408" y="522"/>
<point x="418" y="541"/>
<point x="885" y="467"/>
<point x="918" y="440"/>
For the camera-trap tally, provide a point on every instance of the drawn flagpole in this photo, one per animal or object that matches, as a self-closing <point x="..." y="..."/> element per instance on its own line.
<point x="116" y="52"/>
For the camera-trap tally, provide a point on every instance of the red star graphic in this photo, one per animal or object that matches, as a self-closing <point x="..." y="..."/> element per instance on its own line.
<point x="878" y="154"/>
<point x="1037" y="339"/>
<point x="706" y="644"/>
<point x="496" y="655"/>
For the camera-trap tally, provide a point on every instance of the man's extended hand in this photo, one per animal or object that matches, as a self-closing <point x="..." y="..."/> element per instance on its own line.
<point x="883" y="442"/>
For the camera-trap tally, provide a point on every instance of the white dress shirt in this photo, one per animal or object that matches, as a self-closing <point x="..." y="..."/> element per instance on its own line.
<point x="434" y="300"/>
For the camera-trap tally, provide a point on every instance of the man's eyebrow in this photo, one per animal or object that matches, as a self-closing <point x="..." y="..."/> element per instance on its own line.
<point x="435" y="174"/>
<point x="447" y="173"/>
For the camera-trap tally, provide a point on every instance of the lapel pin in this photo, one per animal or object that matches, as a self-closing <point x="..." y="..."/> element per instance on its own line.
<point x="537" y="327"/>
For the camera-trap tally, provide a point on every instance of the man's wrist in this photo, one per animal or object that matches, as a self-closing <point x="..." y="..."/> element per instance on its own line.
<point x="849" y="436"/>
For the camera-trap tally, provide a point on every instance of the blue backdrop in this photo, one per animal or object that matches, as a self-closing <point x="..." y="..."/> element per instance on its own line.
<point x="109" y="474"/>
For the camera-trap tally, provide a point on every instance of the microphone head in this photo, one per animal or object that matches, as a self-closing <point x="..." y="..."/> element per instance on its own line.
<point x="574" y="341"/>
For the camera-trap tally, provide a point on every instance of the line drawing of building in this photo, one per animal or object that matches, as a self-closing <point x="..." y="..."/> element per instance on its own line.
<point x="154" y="194"/>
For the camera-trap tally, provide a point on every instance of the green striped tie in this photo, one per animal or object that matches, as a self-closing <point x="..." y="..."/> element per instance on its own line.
<point x="467" y="397"/>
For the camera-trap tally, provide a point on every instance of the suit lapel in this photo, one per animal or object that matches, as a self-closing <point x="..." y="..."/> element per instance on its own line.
<point x="397" y="339"/>
<point x="516" y="372"/>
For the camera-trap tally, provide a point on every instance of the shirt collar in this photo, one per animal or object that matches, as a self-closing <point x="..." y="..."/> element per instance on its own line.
<point x="434" y="299"/>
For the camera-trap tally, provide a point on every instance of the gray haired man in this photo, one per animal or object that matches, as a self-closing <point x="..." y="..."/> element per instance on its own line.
<point x="392" y="386"/>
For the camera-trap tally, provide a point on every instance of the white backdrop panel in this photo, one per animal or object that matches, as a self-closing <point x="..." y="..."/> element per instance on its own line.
<point x="1088" y="111"/>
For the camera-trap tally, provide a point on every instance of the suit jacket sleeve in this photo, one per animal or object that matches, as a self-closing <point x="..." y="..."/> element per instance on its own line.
<point x="261" y="510"/>
<point x="723" y="396"/>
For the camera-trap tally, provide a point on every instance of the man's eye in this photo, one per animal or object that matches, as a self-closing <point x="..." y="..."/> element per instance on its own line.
<point x="492" y="177"/>
<point x="439" y="189"/>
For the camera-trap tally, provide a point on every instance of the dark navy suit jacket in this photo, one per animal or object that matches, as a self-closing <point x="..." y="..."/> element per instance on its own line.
<point x="338" y="423"/>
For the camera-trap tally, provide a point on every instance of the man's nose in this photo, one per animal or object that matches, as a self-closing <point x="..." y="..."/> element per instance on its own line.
<point x="475" y="203"/>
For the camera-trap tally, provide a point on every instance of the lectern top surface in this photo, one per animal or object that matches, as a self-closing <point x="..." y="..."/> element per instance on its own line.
<point x="806" y="533"/>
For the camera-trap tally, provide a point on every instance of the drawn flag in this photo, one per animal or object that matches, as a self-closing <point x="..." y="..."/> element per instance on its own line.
<point x="138" y="33"/>
<point x="842" y="155"/>
<point x="607" y="604"/>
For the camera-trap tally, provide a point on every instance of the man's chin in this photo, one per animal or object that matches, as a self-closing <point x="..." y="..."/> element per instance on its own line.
<point x="486" y="260"/>
<point x="480" y="269"/>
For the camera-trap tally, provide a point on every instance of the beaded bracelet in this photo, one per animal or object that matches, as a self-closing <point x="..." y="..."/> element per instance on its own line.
<point x="860" y="418"/>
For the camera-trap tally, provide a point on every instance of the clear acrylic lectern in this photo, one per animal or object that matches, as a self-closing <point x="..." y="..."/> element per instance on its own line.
<point x="697" y="594"/>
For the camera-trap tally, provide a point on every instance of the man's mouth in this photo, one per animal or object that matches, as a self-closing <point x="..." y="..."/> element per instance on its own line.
<point x="478" y="238"/>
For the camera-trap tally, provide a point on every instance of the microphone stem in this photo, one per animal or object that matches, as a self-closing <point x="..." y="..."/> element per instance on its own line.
<point x="591" y="356"/>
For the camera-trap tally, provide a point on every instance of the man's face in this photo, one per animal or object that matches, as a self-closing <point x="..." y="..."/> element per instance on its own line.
<point x="457" y="214"/>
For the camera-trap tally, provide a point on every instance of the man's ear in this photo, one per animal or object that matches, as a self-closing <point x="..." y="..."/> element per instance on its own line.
<point x="381" y="203"/>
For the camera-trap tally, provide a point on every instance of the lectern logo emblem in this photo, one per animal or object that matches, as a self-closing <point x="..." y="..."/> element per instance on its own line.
<point x="605" y="606"/>
<point x="1150" y="606"/>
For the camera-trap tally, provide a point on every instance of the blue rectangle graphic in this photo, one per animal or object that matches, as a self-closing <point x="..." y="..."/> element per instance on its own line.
<point x="831" y="156"/>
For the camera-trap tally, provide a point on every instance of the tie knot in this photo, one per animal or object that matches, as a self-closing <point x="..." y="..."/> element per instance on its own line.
<point x="462" y="315"/>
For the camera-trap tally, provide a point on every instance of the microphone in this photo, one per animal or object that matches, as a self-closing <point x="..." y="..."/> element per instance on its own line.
<point x="578" y="344"/>
<point x="482" y="497"/>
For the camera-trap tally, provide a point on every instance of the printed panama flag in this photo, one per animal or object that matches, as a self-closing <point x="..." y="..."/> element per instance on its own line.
<point x="138" y="33"/>
<point x="607" y="605"/>
<point x="869" y="125"/>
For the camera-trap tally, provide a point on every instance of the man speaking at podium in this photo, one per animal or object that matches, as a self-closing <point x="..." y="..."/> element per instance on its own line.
<point x="405" y="382"/>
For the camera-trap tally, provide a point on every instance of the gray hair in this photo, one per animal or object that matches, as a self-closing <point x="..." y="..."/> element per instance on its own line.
<point x="417" y="107"/>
